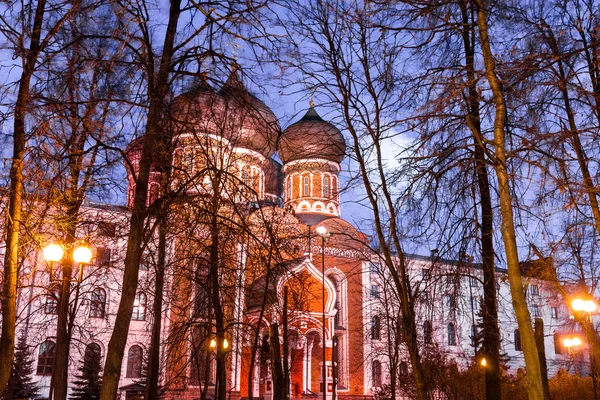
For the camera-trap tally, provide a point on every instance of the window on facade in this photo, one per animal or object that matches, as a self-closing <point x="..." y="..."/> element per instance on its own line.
<point x="98" y="303"/>
<point x="425" y="297"/>
<point x="535" y="311"/>
<point x="475" y="303"/>
<point x="403" y="371"/>
<point x="449" y="279"/>
<point x="554" y="312"/>
<point x="154" y="193"/>
<point x="558" y="344"/>
<point x="474" y="334"/>
<point x="102" y="256"/>
<point x="473" y="281"/>
<point x="306" y="190"/>
<point x="451" y="335"/>
<point x="93" y="353"/>
<point x="245" y="178"/>
<point x="289" y="188"/>
<point x="46" y="358"/>
<point x="427" y="332"/>
<point x="326" y="186"/>
<point x="449" y="300"/>
<point x="375" y="268"/>
<point x="534" y="290"/>
<point x="51" y="306"/>
<point x="375" y="328"/>
<point x="339" y="317"/>
<point x="374" y="291"/>
<point x="376" y="369"/>
<point x="517" y="338"/>
<point x="108" y="229"/>
<point x="134" y="362"/>
<point x="139" y="307"/>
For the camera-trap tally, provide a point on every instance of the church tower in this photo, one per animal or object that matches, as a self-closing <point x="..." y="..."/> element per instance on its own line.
<point x="311" y="150"/>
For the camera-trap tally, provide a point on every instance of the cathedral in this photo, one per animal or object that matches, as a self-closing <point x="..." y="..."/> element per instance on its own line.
<point x="259" y="257"/>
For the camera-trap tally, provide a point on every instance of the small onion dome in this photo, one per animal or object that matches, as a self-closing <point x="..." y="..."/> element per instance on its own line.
<point x="273" y="177"/>
<point x="312" y="137"/>
<point x="260" y="127"/>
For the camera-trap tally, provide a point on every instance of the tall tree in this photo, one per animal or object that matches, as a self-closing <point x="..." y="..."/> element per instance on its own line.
<point x="501" y="166"/>
<point x="29" y="42"/>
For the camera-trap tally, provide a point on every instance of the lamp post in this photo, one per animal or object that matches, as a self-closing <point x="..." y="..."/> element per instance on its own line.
<point x="583" y="308"/>
<point x="54" y="253"/>
<point x="215" y="348"/>
<point x="322" y="231"/>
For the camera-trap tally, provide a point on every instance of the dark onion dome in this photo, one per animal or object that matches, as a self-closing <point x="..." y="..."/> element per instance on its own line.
<point x="260" y="126"/>
<point x="233" y="113"/>
<point x="273" y="177"/>
<point x="312" y="137"/>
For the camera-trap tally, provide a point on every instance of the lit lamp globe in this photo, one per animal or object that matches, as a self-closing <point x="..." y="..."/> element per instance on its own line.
<point x="587" y="306"/>
<point x="53" y="252"/>
<point x="213" y="344"/>
<point x="483" y="362"/>
<point x="82" y="254"/>
<point x="321" y="230"/>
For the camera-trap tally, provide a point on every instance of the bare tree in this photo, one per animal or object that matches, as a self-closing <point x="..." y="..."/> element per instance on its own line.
<point x="28" y="43"/>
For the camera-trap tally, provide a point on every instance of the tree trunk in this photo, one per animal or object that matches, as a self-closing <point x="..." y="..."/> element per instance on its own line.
<point x="118" y="340"/>
<point x="276" y="367"/>
<point x="539" y="340"/>
<point x="491" y="332"/>
<point x="532" y="363"/>
<point x="151" y="390"/>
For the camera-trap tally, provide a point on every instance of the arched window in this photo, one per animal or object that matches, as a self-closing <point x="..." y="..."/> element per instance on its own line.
<point x="92" y="357"/>
<point x="451" y="335"/>
<point x="134" y="362"/>
<point x="98" y="303"/>
<point x="340" y="299"/>
<point x="403" y="370"/>
<point x="289" y="187"/>
<point x="558" y="345"/>
<point x="427" y="332"/>
<point x="139" y="307"/>
<point x="306" y="190"/>
<point x="245" y="178"/>
<point x="518" y="346"/>
<point x="376" y="369"/>
<point x="46" y="358"/>
<point x="375" y="328"/>
<point x="326" y="186"/>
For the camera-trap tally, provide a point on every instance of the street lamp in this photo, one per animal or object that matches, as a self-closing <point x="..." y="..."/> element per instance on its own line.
<point x="570" y="342"/>
<point x="322" y="231"/>
<point x="483" y="362"/>
<point x="583" y="309"/>
<point x="53" y="253"/>
<point x="81" y="254"/>
<point x="224" y="347"/>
